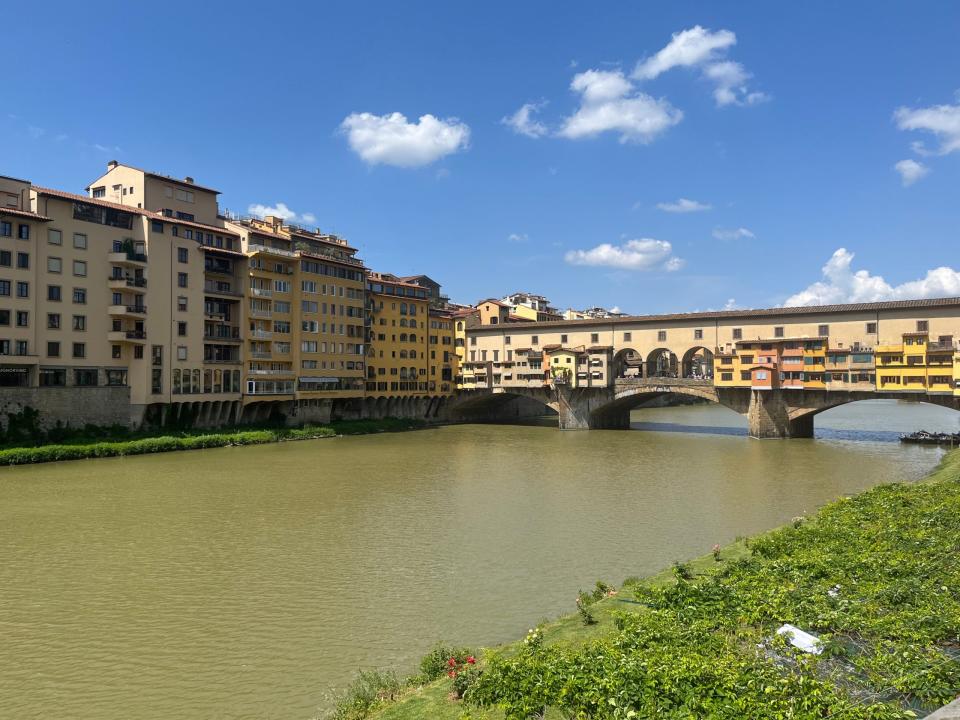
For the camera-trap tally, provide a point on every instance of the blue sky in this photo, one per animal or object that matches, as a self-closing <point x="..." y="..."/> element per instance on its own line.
<point x="784" y="123"/>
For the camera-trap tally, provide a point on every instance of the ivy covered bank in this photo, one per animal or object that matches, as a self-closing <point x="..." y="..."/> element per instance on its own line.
<point x="875" y="577"/>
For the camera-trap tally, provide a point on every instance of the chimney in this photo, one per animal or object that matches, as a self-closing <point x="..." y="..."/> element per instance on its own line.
<point x="188" y="179"/>
<point x="111" y="165"/>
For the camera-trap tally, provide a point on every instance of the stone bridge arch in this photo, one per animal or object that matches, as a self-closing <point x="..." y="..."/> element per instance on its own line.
<point x="628" y="363"/>
<point x="614" y="411"/>
<point x="501" y="405"/>
<point x="697" y="360"/>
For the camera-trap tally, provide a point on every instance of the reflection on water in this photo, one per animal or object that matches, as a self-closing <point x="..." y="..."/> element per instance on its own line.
<point x="246" y="582"/>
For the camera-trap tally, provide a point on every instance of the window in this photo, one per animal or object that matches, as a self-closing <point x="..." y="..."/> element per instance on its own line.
<point x="922" y="326"/>
<point x="80" y="322"/>
<point x="181" y="303"/>
<point x="181" y="352"/>
<point x="99" y="192"/>
<point x="506" y="340"/>
<point x="6" y="258"/>
<point x="80" y="268"/>
<point x="156" y="226"/>
<point x="50" y="377"/>
<point x="778" y="331"/>
<point x="23" y="260"/>
<point x="823" y="330"/>
<point x="5" y="317"/>
<point x="6" y="229"/>
<point x="115" y="353"/>
<point x="80" y="296"/>
<point x="54" y="264"/>
<point x="594" y="337"/>
<point x="627" y="337"/>
<point x="23" y="232"/>
<point x="563" y="339"/>
<point x="535" y="340"/>
<point x="156" y="381"/>
<point x="137" y="352"/>
<point x="53" y="293"/>
<point x="23" y="318"/>
<point x="53" y="321"/>
<point x="182" y="254"/>
<point x="871" y="328"/>
<point x="5" y="287"/>
<point x="181" y="329"/>
<point x="182" y="280"/>
<point x="80" y="350"/>
<point x="80" y="241"/>
<point x="661" y="335"/>
<point x="53" y="349"/>
<point x="54" y="237"/>
<point x="698" y="334"/>
<point x="85" y="377"/>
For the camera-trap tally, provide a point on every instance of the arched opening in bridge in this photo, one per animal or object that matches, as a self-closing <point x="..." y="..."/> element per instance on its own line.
<point x="885" y="419"/>
<point x="502" y="407"/>
<point x="698" y="363"/>
<point x="662" y="363"/>
<point x="628" y="363"/>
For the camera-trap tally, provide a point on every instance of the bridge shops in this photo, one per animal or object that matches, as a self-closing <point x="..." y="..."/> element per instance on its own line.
<point x="778" y="366"/>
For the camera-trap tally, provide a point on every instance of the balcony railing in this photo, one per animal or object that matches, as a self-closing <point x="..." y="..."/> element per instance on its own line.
<point x="261" y="292"/>
<point x="221" y="289"/>
<point x="264" y="334"/>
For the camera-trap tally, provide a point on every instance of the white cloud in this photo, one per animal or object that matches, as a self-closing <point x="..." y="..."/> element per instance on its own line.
<point x="910" y="171"/>
<point x="732" y="233"/>
<point x="281" y="210"/>
<point x="517" y="237"/>
<point x="35" y="132"/>
<point x="731" y="304"/>
<point x="941" y="120"/>
<point x="701" y="48"/>
<point x="609" y="102"/>
<point x="522" y="122"/>
<point x="841" y="284"/>
<point x="642" y="254"/>
<point x="615" y="309"/>
<point x="684" y="205"/>
<point x="687" y="48"/>
<point x="391" y="140"/>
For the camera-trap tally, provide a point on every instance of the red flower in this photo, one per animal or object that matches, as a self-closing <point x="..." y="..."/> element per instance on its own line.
<point x="452" y="662"/>
<point x="471" y="659"/>
<point x="452" y="673"/>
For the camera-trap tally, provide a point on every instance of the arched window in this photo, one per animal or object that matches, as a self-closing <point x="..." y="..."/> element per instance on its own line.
<point x="403" y="337"/>
<point x="176" y="382"/>
<point x="413" y="354"/>
<point x="196" y="380"/>
<point x="403" y="322"/>
<point x="413" y="337"/>
<point x="403" y="354"/>
<point x="403" y="373"/>
<point x="403" y="308"/>
<point x="218" y="381"/>
<point x="208" y="381"/>
<point x="459" y="326"/>
<point x="236" y="381"/>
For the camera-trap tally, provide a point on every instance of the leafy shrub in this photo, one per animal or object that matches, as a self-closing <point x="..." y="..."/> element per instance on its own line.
<point x="371" y="689"/>
<point x="601" y="590"/>
<point x="584" y="601"/>
<point x="682" y="571"/>
<point x="435" y="663"/>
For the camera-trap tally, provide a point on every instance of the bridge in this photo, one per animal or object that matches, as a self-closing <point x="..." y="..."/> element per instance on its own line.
<point x="779" y="367"/>
<point x="770" y="414"/>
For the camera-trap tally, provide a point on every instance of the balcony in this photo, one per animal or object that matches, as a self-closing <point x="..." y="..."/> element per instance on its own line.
<point x="127" y="310"/>
<point x="260" y="355"/>
<point x="218" y="338"/>
<point x="136" y="285"/>
<point x="270" y="372"/>
<point x="261" y="292"/>
<point x="137" y="337"/>
<point x="261" y="334"/>
<point x="217" y="288"/>
<point x="261" y="313"/>
<point x="127" y="258"/>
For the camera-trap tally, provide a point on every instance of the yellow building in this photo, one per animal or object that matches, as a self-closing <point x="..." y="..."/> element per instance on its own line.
<point x="398" y="356"/>
<point x="918" y="364"/>
<point x="444" y="364"/>
<point x="304" y="299"/>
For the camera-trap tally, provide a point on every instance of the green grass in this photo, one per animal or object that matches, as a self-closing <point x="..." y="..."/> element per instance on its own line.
<point x="880" y="546"/>
<point x="143" y="443"/>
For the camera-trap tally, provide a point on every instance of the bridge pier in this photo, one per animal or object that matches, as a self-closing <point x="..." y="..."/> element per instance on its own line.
<point x="768" y="416"/>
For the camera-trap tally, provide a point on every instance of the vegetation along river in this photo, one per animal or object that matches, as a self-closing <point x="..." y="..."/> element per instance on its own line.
<point x="249" y="582"/>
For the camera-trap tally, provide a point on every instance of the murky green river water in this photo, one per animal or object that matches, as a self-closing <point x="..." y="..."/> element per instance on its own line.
<point x="248" y="582"/>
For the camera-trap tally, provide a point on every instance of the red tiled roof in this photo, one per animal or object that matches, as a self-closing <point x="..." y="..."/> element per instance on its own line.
<point x="736" y="314"/>
<point x="23" y="213"/>
<point x="73" y="197"/>
<point x="222" y="251"/>
<point x="493" y="302"/>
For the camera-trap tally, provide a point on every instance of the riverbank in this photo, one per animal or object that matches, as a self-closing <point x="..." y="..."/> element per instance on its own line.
<point x="161" y="442"/>
<point x="875" y="577"/>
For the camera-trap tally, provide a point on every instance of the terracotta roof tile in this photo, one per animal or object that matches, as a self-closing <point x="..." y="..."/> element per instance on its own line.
<point x="23" y="213"/>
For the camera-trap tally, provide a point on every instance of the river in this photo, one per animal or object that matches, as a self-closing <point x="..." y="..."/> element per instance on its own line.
<point x="248" y="582"/>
